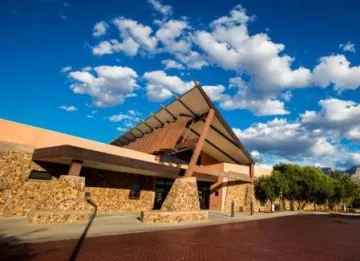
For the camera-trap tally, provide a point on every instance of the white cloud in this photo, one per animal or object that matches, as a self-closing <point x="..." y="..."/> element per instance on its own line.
<point x="118" y="117"/>
<point x="160" y="86"/>
<point x="166" y="10"/>
<point x="243" y="99"/>
<point x="100" y="29"/>
<point x="336" y="70"/>
<point x="348" y="47"/>
<point x="134" y="113"/>
<point x="139" y="33"/>
<point x="104" y="47"/>
<point x="257" y="156"/>
<point x="121" y="129"/>
<point x="171" y="64"/>
<point x="257" y="56"/>
<point x="341" y="118"/>
<point x="215" y="92"/>
<point x="68" y="108"/>
<point x="288" y="140"/>
<point x="131" y="117"/>
<point x="170" y="34"/>
<point x="109" y="87"/>
<point x="66" y="69"/>
<point x="90" y="116"/>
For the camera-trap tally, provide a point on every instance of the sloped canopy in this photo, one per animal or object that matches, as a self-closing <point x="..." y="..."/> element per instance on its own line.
<point x="221" y="142"/>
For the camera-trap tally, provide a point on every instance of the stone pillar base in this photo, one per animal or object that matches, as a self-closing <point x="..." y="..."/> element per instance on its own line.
<point x="158" y="216"/>
<point x="57" y="217"/>
<point x="183" y="196"/>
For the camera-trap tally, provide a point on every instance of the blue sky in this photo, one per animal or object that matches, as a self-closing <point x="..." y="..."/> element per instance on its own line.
<point x="285" y="74"/>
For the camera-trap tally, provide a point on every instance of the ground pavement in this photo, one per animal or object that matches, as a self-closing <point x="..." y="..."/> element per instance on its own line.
<point x="300" y="237"/>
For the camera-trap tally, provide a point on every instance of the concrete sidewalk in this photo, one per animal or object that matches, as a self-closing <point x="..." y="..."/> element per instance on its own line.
<point x="114" y="224"/>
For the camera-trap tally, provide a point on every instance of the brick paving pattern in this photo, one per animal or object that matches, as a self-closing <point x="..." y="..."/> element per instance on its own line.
<point x="286" y="238"/>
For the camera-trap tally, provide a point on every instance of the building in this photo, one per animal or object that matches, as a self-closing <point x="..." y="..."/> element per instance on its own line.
<point x="182" y="160"/>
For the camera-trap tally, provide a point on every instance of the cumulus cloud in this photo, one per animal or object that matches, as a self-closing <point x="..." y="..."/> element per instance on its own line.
<point x="227" y="43"/>
<point x="104" y="47"/>
<point x="255" y="55"/>
<point x="100" y="29"/>
<point x="108" y="85"/>
<point x="160" y="86"/>
<point x="288" y="140"/>
<point x="68" y="108"/>
<point x="166" y="10"/>
<point x="340" y="117"/>
<point x="336" y="70"/>
<point x="137" y="32"/>
<point x="171" y="64"/>
<point x="348" y="47"/>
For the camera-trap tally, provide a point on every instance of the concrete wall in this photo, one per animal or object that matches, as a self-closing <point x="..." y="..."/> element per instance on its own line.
<point x="13" y="132"/>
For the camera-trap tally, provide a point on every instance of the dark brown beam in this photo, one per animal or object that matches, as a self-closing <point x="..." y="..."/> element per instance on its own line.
<point x="162" y="124"/>
<point x="133" y="135"/>
<point x="151" y="128"/>
<point x="223" y="135"/>
<point x="140" y="131"/>
<point x="200" y="143"/>
<point x="216" y="147"/>
<point x="169" y="112"/>
<point x="187" y="107"/>
<point x="199" y="118"/>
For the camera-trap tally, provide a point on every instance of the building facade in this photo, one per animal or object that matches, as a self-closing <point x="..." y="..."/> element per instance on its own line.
<point x="182" y="159"/>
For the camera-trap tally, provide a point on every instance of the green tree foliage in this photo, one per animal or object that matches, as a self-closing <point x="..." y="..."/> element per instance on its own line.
<point x="306" y="185"/>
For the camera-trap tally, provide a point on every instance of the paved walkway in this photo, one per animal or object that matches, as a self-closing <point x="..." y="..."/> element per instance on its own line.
<point x="301" y="237"/>
<point x="115" y="224"/>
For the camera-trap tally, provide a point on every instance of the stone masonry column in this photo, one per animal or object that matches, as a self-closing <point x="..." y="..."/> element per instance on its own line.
<point x="183" y="196"/>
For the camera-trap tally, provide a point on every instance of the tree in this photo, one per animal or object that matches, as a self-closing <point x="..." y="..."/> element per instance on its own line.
<point x="265" y="189"/>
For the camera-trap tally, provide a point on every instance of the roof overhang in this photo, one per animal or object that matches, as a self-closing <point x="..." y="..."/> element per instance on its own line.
<point x="221" y="142"/>
<point x="66" y="154"/>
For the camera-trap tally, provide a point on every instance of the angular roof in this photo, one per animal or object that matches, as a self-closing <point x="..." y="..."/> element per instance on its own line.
<point x="221" y="142"/>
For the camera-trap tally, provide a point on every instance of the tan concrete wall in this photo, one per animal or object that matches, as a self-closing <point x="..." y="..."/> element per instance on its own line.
<point x="259" y="171"/>
<point x="14" y="132"/>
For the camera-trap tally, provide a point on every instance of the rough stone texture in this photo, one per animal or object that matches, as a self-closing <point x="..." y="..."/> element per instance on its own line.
<point x="183" y="196"/>
<point x="15" y="167"/>
<point x="242" y="194"/>
<point x="149" y="217"/>
<point x="54" y="217"/>
<point x="110" y="191"/>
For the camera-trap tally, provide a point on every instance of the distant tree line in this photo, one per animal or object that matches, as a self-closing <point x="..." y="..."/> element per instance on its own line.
<point x="307" y="185"/>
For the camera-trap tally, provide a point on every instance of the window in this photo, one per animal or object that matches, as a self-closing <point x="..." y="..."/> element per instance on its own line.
<point x="40" y="175"/>
<point x="135" y="191"/>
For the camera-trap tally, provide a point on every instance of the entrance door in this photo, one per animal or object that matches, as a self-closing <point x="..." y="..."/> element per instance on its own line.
<point x="163" y="187"/>
<point x="204" y="194"/>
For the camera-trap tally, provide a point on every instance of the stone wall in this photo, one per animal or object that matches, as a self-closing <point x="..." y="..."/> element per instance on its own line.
<point x="183" y="196"/>
<point x="63" y="198"/>
<point x="110" y="191"/>
<point x="242" y="194"/>
<point x="158" y="216"/>
<point x="15" y="167"/>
